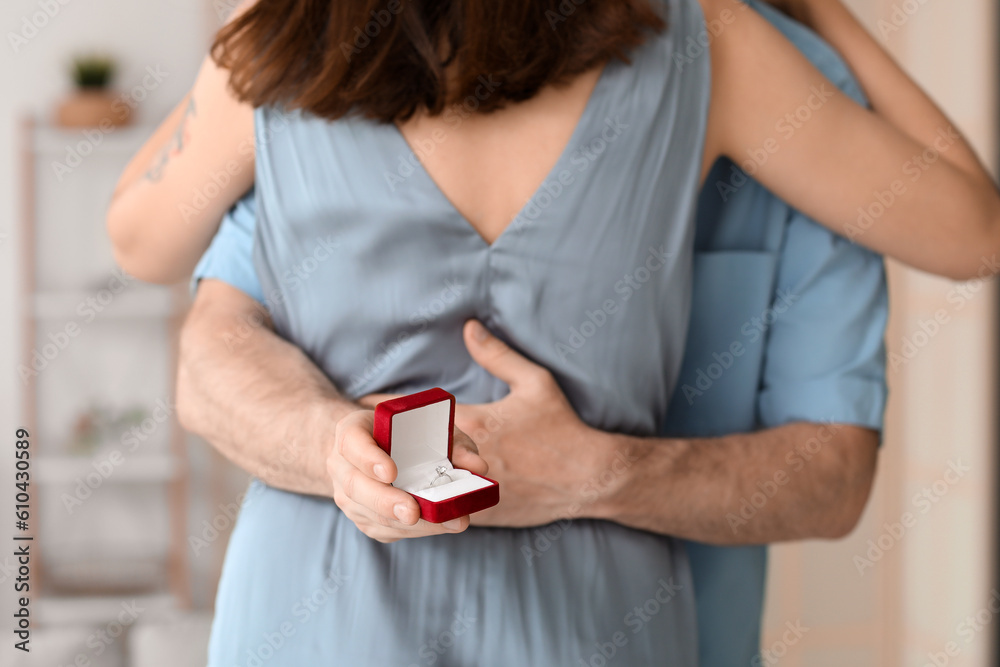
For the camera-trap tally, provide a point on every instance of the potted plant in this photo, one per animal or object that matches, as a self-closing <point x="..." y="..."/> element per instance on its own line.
<point x="92" y="104"/>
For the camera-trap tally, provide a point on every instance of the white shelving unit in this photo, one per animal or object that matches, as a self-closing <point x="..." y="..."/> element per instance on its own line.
<point x="123" y="357"/>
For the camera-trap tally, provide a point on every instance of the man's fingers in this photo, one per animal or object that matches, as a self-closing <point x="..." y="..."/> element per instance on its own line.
<point x="424" y="528"/>
<point x="463" y="458"/>
<point x="465" y="454"/>
<point x="498" y="358"/>
<point x="383" y="500"/>
<point x="479" y="420"/>
<point x="356" y="445"/>
<point x="380" y="510"/>
<point x="421" y="529"/>
<point x="361" y="464"/>
<point x="378" y="527"/>
<point x="371" y="400"/>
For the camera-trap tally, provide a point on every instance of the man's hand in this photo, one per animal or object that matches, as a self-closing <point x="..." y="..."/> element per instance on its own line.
<point x="362" y="475"/>
<point x="539" y="450"/>
<point x="545" y="459"/>
<point x="268" y="408"/>
<point x="552" y="466"/>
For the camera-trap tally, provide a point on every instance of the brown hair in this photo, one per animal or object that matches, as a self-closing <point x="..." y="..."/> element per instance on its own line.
<point x="387" y="58"/>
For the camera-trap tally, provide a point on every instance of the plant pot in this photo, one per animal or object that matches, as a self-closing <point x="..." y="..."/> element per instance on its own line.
<point x="93" y="108"/>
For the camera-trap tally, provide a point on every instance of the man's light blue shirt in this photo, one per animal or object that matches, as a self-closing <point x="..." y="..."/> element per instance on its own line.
<point x="787" y="325"/>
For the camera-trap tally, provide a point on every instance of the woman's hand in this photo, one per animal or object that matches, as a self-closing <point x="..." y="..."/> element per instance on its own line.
<point x="362" y="475"/>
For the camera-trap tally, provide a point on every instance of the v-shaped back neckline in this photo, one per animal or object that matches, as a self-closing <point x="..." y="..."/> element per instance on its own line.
<point x="568" y="149"/>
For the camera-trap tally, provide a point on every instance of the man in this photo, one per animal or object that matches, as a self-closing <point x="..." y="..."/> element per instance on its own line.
<point x="805" y="311"/>
<point x="784" y="350"/>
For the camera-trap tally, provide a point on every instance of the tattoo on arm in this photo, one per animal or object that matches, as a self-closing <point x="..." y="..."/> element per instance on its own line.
<point x="174" y="145"/>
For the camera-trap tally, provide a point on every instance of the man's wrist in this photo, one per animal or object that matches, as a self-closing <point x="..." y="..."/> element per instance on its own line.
<point x="607" y="491"/>
<point x="322" y="415"/>
<point x="631" y="466"/>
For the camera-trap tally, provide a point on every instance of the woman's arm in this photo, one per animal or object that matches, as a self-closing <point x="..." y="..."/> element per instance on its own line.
<point x="891" y="93"/>
<point x="172" y="195"/>
<point x="898" y="178"/>
<point x="174" y="192"/>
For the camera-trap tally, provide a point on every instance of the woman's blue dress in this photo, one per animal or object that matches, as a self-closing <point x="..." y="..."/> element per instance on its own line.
<point x="368" y="267"/>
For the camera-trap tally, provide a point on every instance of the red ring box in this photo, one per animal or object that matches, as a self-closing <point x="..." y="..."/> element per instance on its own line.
<point x="417" y="432"/>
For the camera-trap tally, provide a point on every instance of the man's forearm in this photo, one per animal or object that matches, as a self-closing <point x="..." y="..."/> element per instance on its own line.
<point x="792" y="482"/>
<point x="258" y="399"/>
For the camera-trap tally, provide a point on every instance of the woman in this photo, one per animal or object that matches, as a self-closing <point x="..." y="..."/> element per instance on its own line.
<point x="608" y="157"/>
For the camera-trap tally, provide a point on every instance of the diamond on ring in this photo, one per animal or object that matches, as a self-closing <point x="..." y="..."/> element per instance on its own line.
<point x="442" y="476"/>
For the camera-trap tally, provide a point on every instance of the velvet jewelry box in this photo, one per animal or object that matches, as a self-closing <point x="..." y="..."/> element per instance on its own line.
<point x="417" y="432"/>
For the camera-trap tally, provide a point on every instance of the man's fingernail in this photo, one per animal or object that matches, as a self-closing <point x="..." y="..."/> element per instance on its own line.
<point x="454" y="524"/>
<point x="479" y="332"/>
<point x="381" y="473"/>
<point x="401" y="512"/>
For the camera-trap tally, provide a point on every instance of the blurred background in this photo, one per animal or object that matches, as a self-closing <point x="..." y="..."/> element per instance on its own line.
<point x="133" y="515"/>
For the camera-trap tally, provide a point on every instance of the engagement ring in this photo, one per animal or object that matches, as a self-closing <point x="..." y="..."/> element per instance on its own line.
<point x="442" y="476"/>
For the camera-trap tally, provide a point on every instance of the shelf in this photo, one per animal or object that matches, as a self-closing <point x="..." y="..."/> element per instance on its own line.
<point x="53" y="141"/>
<point x="117" y="571"/>
<point x="87" y="610"/>
<point x="134" y="302"/>
<point x="86" y="586"/>
<point x="135" y="470"/>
